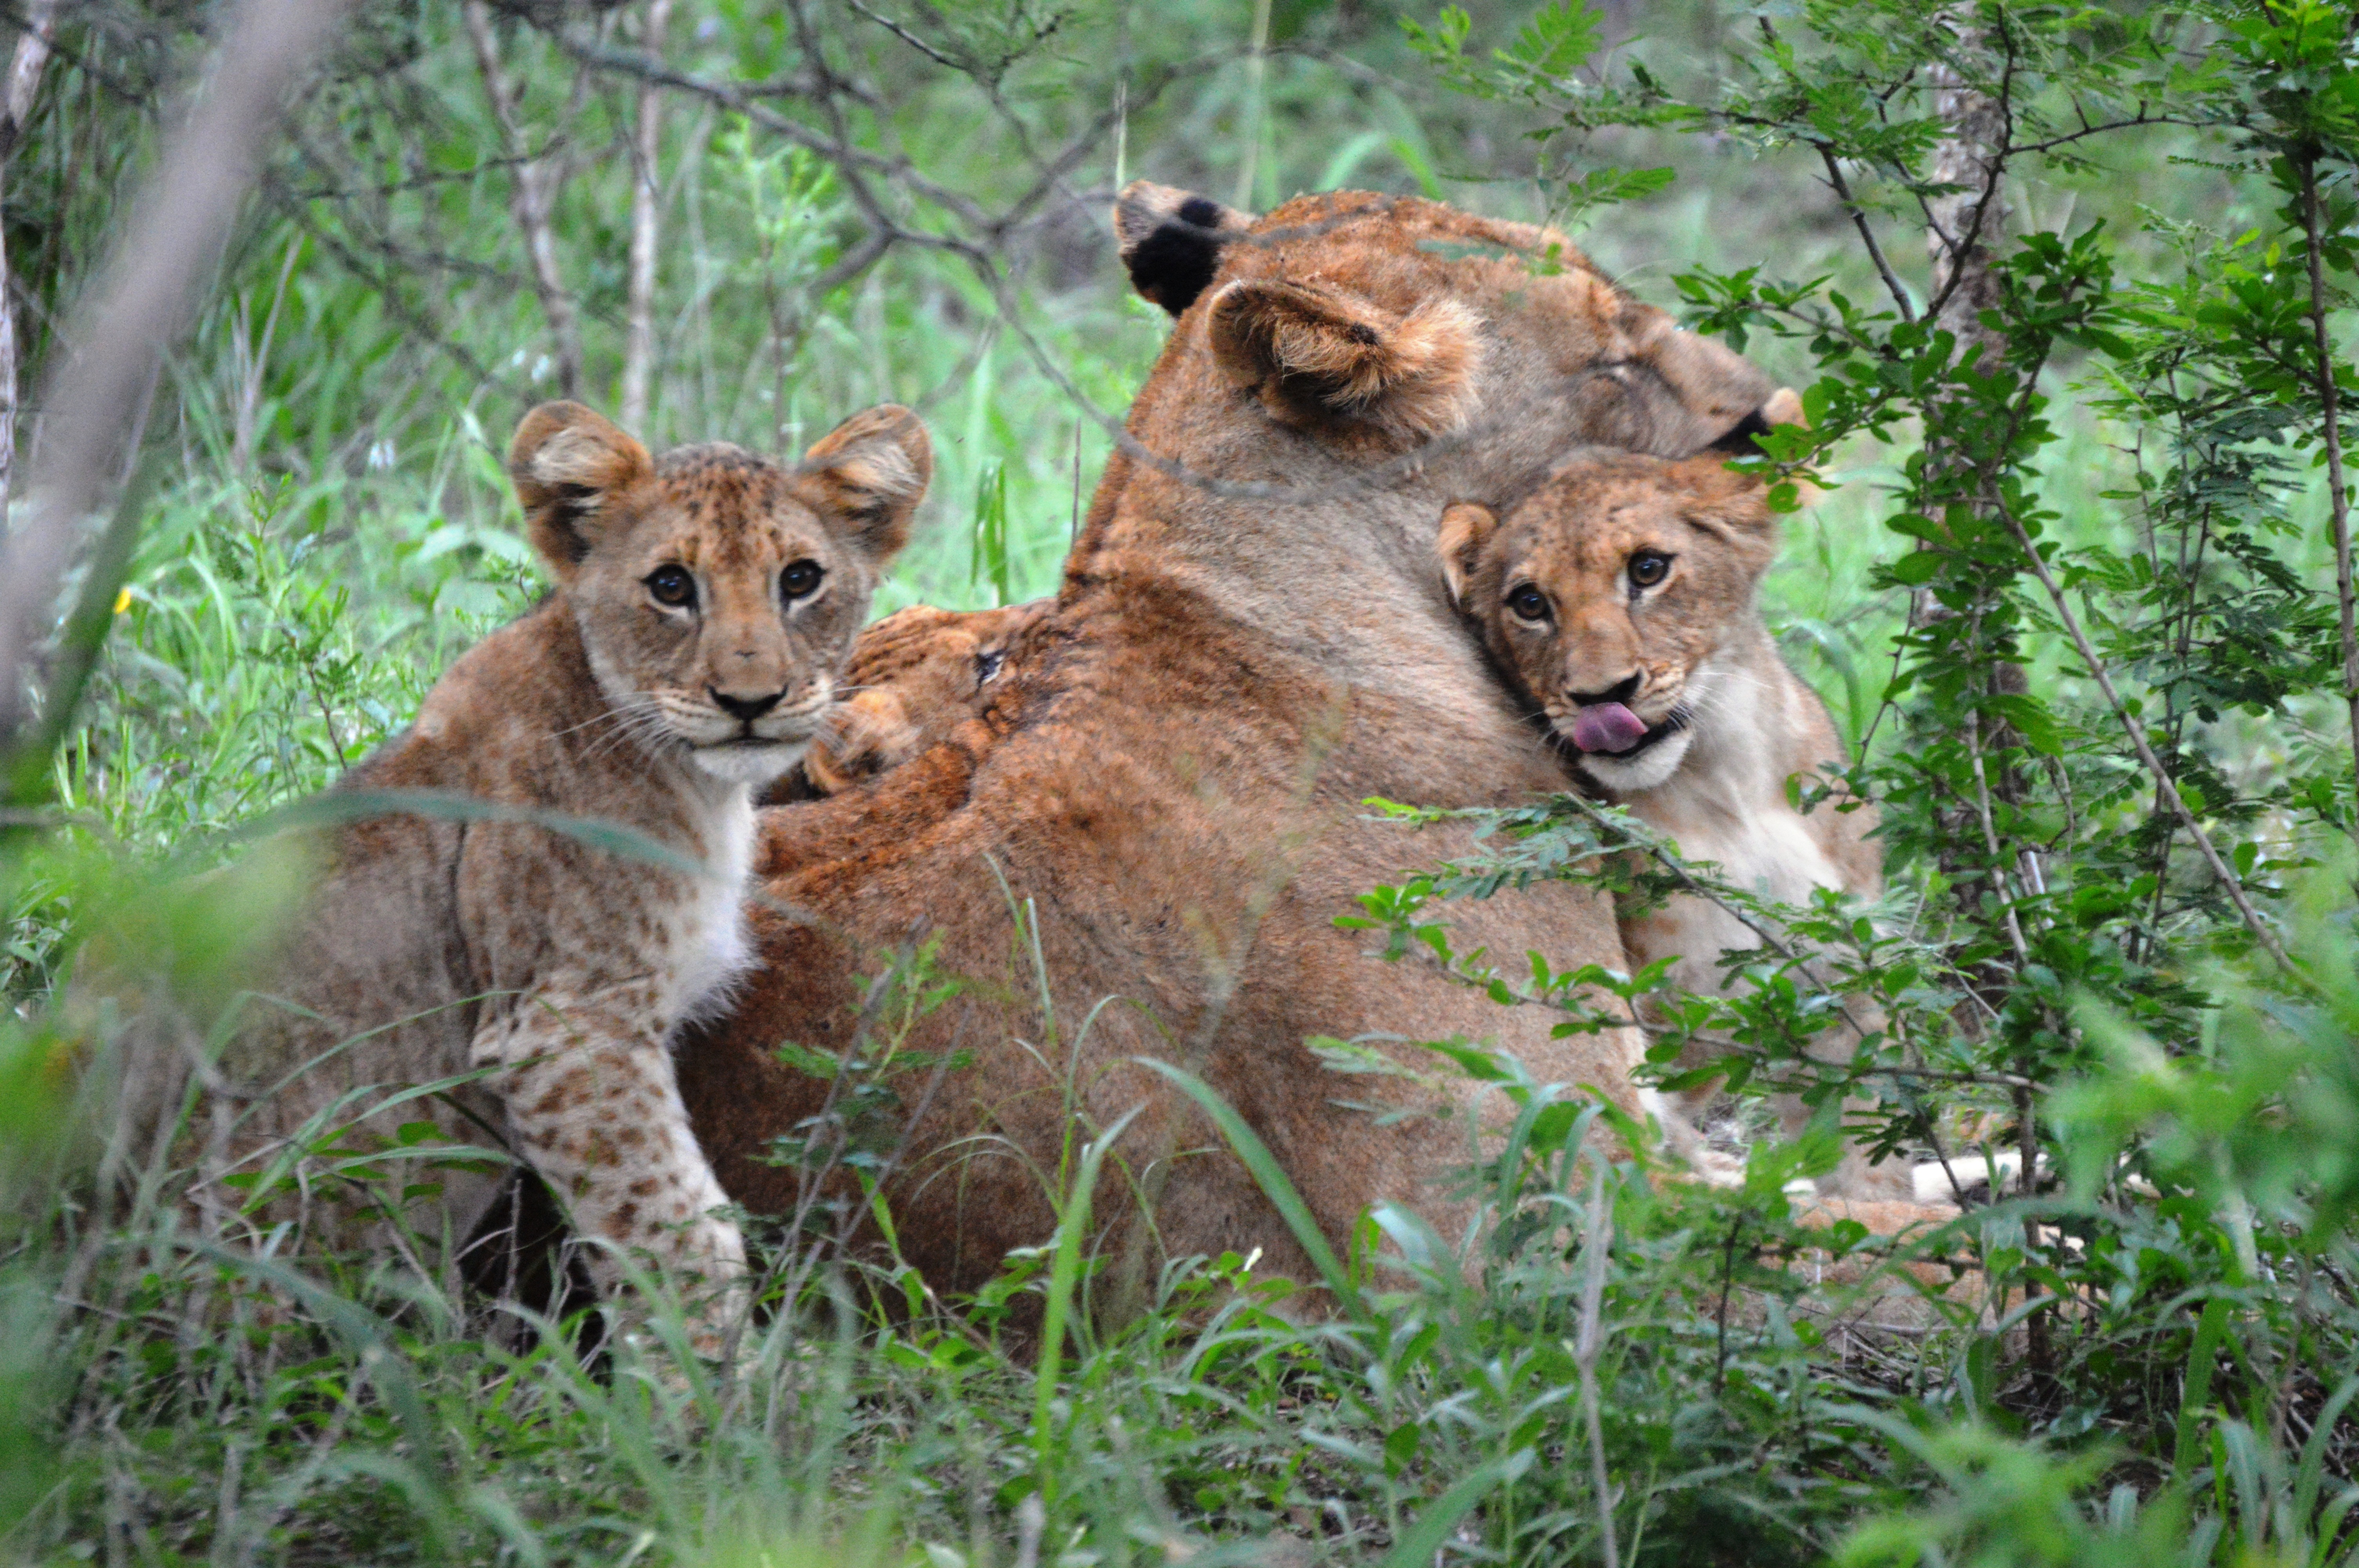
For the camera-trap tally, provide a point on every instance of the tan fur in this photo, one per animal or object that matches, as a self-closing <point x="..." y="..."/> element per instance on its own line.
<point x="1165" y="788"/>
<point x="1694" y="647"/>
<point x="1318" y="354"/>
<point x="434" y="944"/>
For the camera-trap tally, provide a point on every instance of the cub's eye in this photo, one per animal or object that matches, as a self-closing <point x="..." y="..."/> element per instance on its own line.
<point x="800" y="579"/>
<point x="1648" y="568"/>
<point x="1528" y="603"/>
<point x="672" y="587"/>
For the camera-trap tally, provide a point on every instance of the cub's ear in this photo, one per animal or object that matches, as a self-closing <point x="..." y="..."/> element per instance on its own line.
<point x="570" y="466"/>
<point x="1466" y="527"/>
<point x="871" y="471"/>
<point x="1318" y="354"/>
<point x="1731" y="507"/>
<point x="1172" y="241"/>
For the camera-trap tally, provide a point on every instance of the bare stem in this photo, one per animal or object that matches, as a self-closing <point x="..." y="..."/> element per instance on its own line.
<point x="532" y="197"/>
<point x="2338" y="492"/>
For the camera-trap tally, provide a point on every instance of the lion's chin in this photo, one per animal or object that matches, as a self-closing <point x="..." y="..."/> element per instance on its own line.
<point x="751" y="763"/>
<point x="1644" y="769"/>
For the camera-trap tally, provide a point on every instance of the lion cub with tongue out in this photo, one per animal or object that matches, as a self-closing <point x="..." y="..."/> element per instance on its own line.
<point x="1620" y="599"/>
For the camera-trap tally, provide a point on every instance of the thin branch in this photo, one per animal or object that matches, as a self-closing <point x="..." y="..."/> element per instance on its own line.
<point x="25" y="68"/>
<point x="138" y="308"/>
<point x="1990" y="837"/>
<point x="1961" y="262"/>
<point x="2137" y="731"/>
<point x="2141" y="118"/>
<point x="1867" y="234"/>
<point x="16" y="97"/>
<point x="838" y="151"/>
<point x="908" y="37"/>
<point x="1588" y="1343"/>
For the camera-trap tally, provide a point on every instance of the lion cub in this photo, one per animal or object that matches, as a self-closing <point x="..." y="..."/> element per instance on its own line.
<point x="688" y="655"/>
<point x="913" y="678"/>
<point x="1619" y="599"/>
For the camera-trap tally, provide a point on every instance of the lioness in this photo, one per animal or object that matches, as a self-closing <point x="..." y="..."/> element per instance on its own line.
<point x="1620" y="600"/>
<point x="1139" y="846"/>
<point x="687" y="654"/>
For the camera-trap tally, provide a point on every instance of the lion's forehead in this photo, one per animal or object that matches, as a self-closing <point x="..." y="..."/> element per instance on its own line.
<point x="1594" y="531"/>
<point x="718" y="509"/>
<point x="922" y="637"/>
<point x="1385" y="246"/>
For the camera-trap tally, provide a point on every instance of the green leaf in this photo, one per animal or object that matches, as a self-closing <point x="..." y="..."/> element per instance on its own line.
<point x="1557" y="40"/>
<point x="1418" y="1544"/>
<point x="1916" y="568"/>
<point x="1602" y="187"/>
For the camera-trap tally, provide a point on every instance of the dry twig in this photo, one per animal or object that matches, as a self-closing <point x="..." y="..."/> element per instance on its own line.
<point x="532" y="197"/>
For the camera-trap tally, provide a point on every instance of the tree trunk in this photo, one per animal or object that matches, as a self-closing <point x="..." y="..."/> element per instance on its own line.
<point x="1964" y="227"/>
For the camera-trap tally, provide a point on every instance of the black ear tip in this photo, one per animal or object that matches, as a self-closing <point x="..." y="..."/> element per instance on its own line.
<point x="1201" y="211"/>
<point x="1176" y="263"/>
<point x="1740" y="440"/>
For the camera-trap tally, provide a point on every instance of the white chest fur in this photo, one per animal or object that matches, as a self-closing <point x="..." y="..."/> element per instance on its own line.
<point x="709" y="929"/>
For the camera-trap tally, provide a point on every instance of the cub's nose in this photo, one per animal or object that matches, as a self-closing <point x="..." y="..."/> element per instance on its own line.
<point x="1622" y="690"/>
<point x="746" y="708"/>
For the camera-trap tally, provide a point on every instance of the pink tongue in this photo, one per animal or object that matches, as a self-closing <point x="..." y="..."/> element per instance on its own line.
<point x="1607" y="726"/>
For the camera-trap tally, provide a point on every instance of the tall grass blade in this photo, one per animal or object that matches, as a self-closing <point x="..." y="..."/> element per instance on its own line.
<point x="1064" y="1278"/>
<point x="1273" y="1181"/>
<point x="1418" y="1546"/>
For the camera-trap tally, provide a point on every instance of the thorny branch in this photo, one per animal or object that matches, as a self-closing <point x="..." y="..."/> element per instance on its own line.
<point x="2137" y="732"/>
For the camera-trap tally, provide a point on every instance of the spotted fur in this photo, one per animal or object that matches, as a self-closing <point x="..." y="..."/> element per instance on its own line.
<point x="703" y="605"/>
